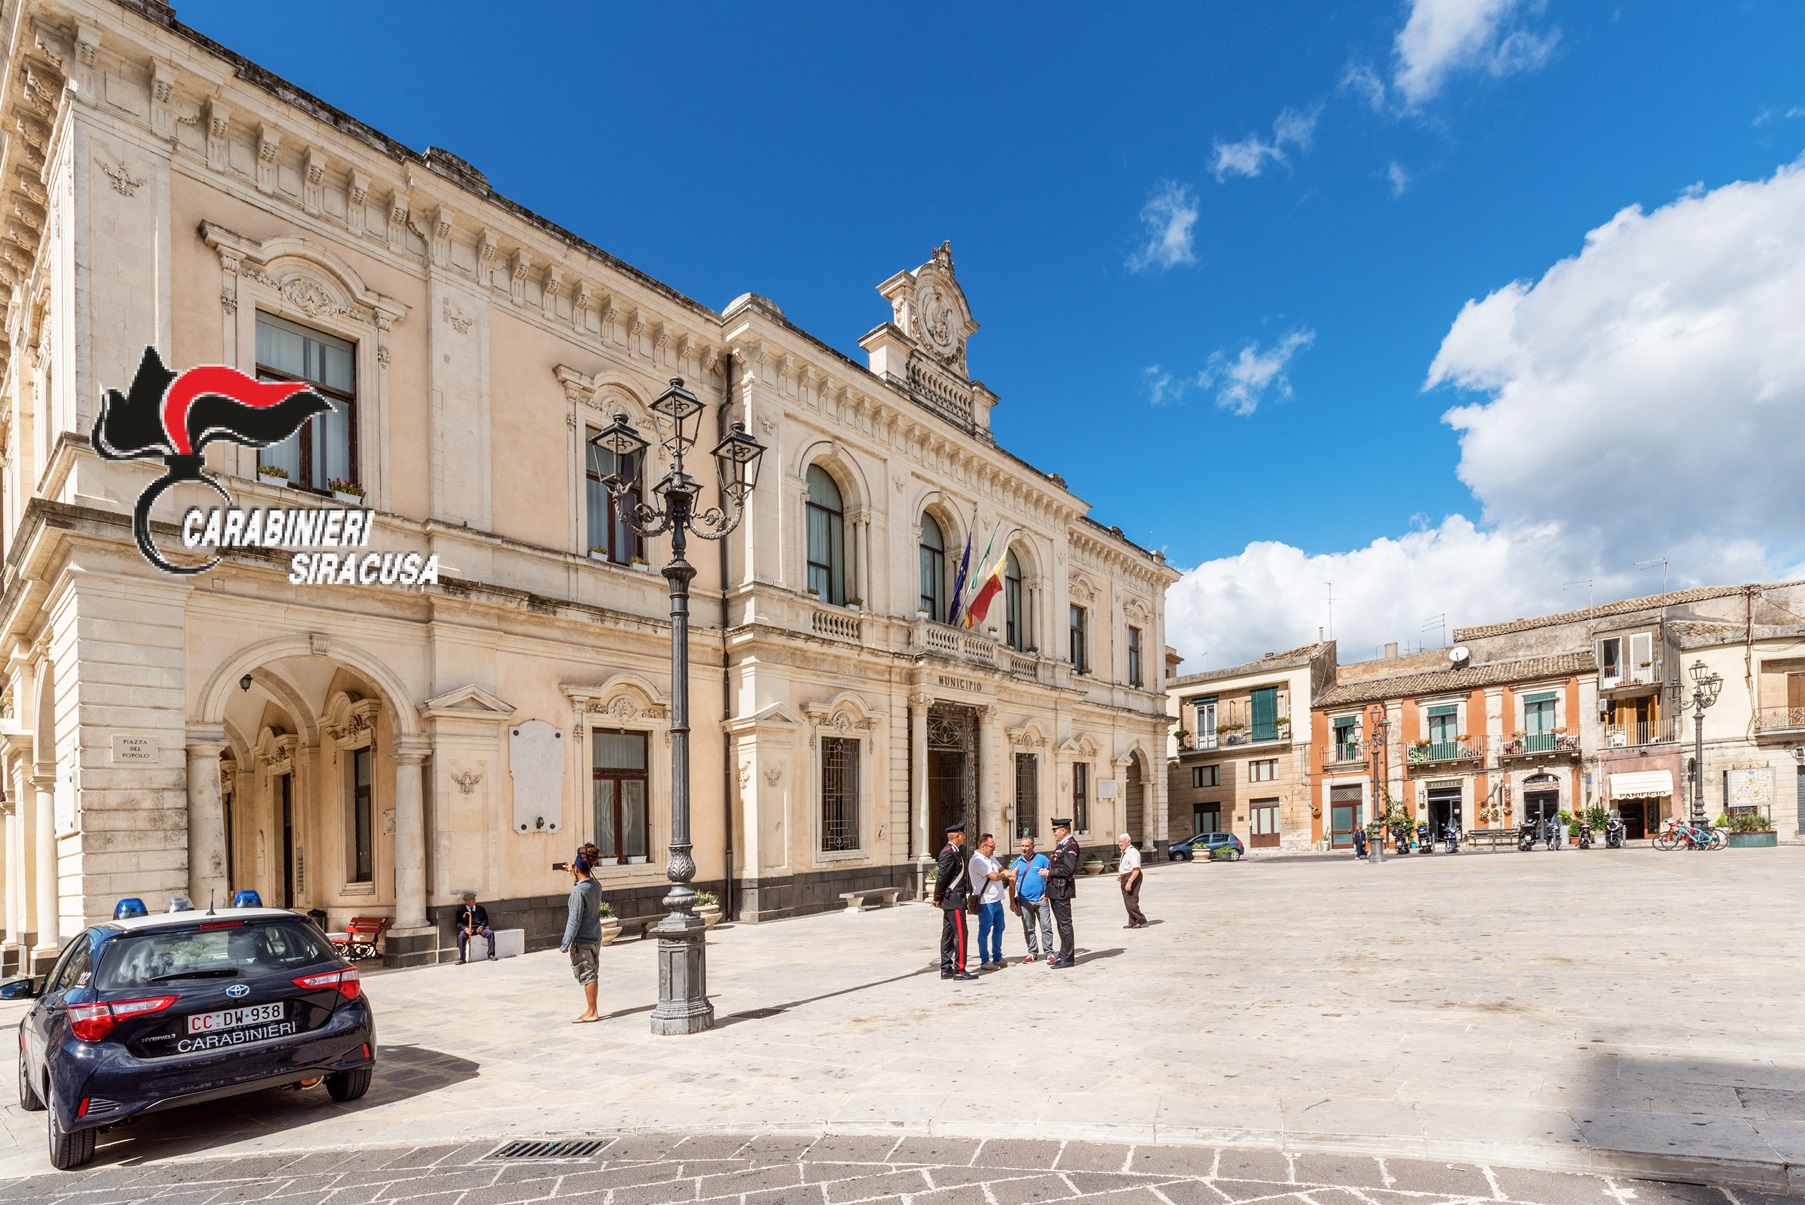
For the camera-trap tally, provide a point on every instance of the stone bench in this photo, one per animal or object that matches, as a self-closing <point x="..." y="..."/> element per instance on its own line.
<point x="638" y="924"/>
<point x="1492" y="837"/>
<point x="856" y="900"/>
<point x="509" y="943"/>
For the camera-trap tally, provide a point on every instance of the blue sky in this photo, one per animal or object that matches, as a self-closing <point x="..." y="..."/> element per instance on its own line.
<point x="1411" y="156"/>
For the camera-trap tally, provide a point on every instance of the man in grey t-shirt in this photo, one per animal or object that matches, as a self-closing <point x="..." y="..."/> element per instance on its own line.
<point x="583" y="935"/>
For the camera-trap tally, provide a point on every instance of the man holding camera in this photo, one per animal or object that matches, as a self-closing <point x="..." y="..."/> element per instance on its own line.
<point x="583" y="935"/>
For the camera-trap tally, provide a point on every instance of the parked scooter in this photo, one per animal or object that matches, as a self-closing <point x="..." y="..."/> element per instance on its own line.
<point x="1526" y="835"/>
<point x="1585" y="835"/>
<point x="1423" y="844"/>
<point x="1552" y="833"/>
<point x="1613" y="832"/>
<point x="1451" y="835"/>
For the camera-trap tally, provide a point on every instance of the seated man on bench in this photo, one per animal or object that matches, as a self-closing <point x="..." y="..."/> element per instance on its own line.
<point x="473" y="921"/>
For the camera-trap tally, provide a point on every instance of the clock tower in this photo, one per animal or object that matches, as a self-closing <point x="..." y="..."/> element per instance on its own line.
<point x="922" y="347"/>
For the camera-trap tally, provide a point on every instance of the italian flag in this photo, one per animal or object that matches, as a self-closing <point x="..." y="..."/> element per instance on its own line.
<point x="989" y="586"/>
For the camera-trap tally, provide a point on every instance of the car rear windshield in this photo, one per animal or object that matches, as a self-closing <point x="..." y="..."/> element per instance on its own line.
<point x="229" y="952"/>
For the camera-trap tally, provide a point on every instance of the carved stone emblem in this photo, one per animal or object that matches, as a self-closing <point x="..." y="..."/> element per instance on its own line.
<point x="124" y="183"/>
<point x="466" y="780"/>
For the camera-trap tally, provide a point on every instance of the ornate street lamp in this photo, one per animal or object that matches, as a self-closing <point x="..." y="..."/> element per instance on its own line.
<point x="1705" y="688"/>
<point x="1377" y="727"/>
<point x="683" y="1005"/>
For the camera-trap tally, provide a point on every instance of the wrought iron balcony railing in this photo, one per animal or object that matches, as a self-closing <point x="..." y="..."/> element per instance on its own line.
<point x="1424" y="753"/>
<point x="1780" y="719"/>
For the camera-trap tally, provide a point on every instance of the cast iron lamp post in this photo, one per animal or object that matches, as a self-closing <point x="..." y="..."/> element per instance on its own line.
<point x="1378" y="726"/>
<point x="1705" y="686"/>
<point x="683" y="1005"/>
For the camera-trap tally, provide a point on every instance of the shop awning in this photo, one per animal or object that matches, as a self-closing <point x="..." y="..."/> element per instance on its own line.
<point x="1642" y="784"/>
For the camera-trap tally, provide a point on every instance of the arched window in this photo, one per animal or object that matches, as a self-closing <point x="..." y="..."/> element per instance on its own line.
<point x="933" y="569"/>
<point x="1015" y="626"/>
<point x="826" y="538"/>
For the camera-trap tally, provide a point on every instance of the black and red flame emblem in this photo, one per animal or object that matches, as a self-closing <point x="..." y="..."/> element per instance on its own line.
<point x="175" y="415"/>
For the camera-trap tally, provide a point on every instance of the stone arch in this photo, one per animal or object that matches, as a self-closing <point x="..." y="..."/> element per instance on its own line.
<point x="43" y="719"/>
<point x="210" y="703"/>
<point x="842" y="466"/>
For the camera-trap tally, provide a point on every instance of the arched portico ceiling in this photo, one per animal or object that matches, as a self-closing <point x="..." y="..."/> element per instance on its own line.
<point x="258" y="660"/>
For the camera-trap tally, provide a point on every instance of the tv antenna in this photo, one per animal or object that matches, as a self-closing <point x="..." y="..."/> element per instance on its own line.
<point x="1576" y="585"/>
<point x="1331" y="586"/>
<point x="1438" y="623"/>
<point x="1650" y="564"/>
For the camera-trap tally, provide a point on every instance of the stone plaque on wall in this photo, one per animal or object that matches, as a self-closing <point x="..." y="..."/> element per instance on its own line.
<point x="131" y="748"/>
<point x="536" y="759"/>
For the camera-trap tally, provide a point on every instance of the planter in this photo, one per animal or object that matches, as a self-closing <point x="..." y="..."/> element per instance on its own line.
<point x="641" y="567"/>
<point x="710" y="914"/>
<point x="610" y="929"/>
<point x="1093" y="868"/>
<point x="344" y="499"/>
<point x="1754" y="840"/>
<point x="280" y="483"/>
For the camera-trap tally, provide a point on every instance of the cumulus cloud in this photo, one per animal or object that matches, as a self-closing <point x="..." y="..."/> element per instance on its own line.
<point x="1168" y="217"/>
<point x="1643" y="398"/>
<point x="1245" y="380"/>
<point x="1442" y="37"/>
<point x="1162" y="386"/>
<point x="1398" y="178"/>
<point x="1292" y="130"/>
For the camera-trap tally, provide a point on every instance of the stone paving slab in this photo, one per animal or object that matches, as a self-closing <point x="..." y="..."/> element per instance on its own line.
<point x="1499" y="1010"/>
<point x="657" y="1169"/>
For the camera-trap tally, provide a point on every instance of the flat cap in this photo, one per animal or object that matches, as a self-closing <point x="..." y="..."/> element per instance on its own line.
<point x="1062" y="822"/>
<point x="954" y="828"/>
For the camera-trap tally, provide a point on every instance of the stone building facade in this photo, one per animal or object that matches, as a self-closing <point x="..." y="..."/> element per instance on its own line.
<point x="367" y="747"/>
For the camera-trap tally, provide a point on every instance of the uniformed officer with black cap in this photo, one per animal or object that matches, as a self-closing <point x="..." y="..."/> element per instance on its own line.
<point x="1062" y="885"/>
<point x="951" y="887"/>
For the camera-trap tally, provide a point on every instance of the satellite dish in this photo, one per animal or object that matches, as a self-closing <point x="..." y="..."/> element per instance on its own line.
<point x="1458" y="654"/>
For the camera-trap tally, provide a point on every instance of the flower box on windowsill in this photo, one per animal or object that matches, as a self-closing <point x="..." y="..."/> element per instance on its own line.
<point x="344" y="499"/>
<point x="642" y="565"/>
<point x="272" y="480"/>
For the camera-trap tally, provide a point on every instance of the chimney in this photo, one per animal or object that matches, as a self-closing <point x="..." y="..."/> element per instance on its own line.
<point x="1391" y="650"/>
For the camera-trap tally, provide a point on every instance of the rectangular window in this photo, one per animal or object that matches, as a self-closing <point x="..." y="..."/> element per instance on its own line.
<point x="1081" y="796"/>
<point x="1080" y="651"/>
<point x="1642" y="657"/>
<point x="1265" y="821"/>
<point x="1538" y="723"/>
<point x="1206" y="723"/>
<point x="363" y="836"/>
<point x="1206" y="776"/>
<point x="325" y="448"/>
<point x="1610" y="658"/>
<point x="1264" y="770"/>
<point x="1027" y="795"/>
<point x="619" y="783"/>
<point x="1264" y="709"/>
<point x="1134" y="657"/>
<point x="610" y="539"/>
<point x="839" y="794"/>
<point x="1347" y="739"/>
<point x="933" y="582"/>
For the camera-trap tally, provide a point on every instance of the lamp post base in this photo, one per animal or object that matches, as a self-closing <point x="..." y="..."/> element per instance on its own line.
<point x="683" y="1004"/>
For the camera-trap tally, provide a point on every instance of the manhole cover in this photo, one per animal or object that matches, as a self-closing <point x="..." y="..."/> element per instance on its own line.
<point x="540" y="1149"/>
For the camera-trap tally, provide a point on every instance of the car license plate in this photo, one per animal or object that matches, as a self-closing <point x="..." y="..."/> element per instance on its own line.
<point x="235" y="1018"/>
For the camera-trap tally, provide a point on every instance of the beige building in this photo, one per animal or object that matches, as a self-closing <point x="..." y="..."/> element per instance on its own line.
<point x="1238" y="763"/>
<point x="375" y="748"/>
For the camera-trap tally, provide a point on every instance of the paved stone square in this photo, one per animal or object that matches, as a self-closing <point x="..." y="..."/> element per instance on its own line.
<point x="1623" y="1012"/>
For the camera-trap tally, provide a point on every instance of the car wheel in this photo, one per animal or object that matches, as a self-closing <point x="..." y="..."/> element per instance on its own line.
<point x="68" y="1150"/>
<point x="29" y="1100"/>
<point x="349" y="1085"/>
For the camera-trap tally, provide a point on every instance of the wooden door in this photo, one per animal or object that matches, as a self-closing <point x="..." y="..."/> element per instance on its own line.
<point x="1264" y="825"/>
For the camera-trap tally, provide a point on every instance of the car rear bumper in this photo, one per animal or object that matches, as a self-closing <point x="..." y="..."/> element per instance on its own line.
<point x="120" y="1086"/>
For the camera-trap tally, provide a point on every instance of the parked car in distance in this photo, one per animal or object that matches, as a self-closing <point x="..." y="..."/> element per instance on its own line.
<point x="153" y="1012"/>
<point x="1224" y="846"/>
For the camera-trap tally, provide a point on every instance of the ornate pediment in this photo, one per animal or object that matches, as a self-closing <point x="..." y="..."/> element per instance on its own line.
<point x="470" y="702"/>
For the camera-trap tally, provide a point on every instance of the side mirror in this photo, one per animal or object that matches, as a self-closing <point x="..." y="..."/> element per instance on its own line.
<point x="18" y="989"/>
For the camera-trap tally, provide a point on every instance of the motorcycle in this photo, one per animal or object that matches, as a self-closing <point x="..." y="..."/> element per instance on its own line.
<point x="1451" y="835"/>
<point x="1526" y="835"/>
<point x="1613" y="834"/>
<point x="1423" y="844"/>
<point x="1552" y="833"/>
<point x="1585" y="835"/>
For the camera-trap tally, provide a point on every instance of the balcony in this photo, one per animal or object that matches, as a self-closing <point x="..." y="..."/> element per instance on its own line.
<point x="1779" y="719"/>
<point x="1240" y="734"/>
<point x="1641" y="732"/>
<point x="956" y="644"/>
<point x="1437" y="753"/>
<point x="1539" y="745"/>
<point x="1344" y="753"/>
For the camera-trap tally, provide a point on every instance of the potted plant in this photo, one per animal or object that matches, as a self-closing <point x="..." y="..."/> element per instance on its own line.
<point x="610" y="923"/>
<point x="814" y="593"/>
<point x="348" y="492"/>
<point x="708" y="908"/>
<point x="854" y="604"/>
<point x="640" y="563"/>
<point x="1752" y="830"/>
<point x="1093" y="863"/>
<point x="273" y="474"/>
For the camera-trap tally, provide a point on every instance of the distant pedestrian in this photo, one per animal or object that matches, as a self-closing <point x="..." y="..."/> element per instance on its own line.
<point x="1128" y="873"/>
<point x="473" y="921"/>
<point x="951" y="890"/>
<point x="1359" y="843"/>
<point x="1062" y="886"/>
<point x="990" y="881"/>
<point x="1029" y="882"/>
<point x="583" y="935"/>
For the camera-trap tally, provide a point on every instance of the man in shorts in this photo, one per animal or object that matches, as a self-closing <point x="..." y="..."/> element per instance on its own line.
<point x="583" y="935"/>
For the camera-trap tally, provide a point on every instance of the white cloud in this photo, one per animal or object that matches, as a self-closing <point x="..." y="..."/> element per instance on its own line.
<point x="1361" y="80"/>
<point x="1292" y="129"/>
<point x="1643" y="398"/>
<point x="1168" y="216"/>
<point x="1243" y="382"/>
<point x="1442" y="37"/>
<point x="1162" y="386"/>
<point x="1397" y="177"/>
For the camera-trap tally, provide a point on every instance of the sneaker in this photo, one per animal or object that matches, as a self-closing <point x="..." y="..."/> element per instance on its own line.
<point x="1027" y="960"/>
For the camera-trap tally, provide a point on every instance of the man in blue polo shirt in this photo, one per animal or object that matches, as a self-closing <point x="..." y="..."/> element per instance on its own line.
<point x="1028" y="876"/>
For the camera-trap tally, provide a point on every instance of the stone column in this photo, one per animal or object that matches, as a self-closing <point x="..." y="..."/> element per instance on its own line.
<point x="12" y="953"/>
<point x="991" y="799"/>
<point x="410" y="837"/>
<point x="44" y="784"/>
<point x="206" y="819"/>
<point x="925" y="846"/>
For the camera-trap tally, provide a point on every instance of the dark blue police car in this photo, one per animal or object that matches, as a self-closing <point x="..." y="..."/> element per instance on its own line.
<point x="153" y="1012"/>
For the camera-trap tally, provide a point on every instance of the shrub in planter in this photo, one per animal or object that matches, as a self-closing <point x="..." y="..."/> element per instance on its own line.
<point x="708" y="908"/>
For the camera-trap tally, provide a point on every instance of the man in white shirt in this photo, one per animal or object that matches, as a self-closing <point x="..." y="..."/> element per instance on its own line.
<point x="988" y="883"/>
<point x="1128" y="873"/>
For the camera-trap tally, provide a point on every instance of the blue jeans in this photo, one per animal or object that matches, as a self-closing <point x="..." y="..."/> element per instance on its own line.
<point x="990" y="932"/>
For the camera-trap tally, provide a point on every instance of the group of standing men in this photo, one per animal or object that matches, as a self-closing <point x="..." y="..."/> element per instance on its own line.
<point x="1036" y="887"/>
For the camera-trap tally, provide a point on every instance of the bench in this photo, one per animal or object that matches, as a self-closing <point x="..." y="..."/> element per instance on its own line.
<point x="509" y="943"/>
<point x="855" y="900"/>
<point x="641" y="923"/>
<point x="1491" y="837"/>
<point x="360" y="936"/>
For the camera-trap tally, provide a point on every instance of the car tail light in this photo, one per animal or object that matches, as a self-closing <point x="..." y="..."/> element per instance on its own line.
<point x="343" y="982"/>
<point x="92" y="1022"/>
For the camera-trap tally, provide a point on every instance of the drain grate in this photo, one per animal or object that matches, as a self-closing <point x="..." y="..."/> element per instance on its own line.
<point x="540" y="1149"/>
